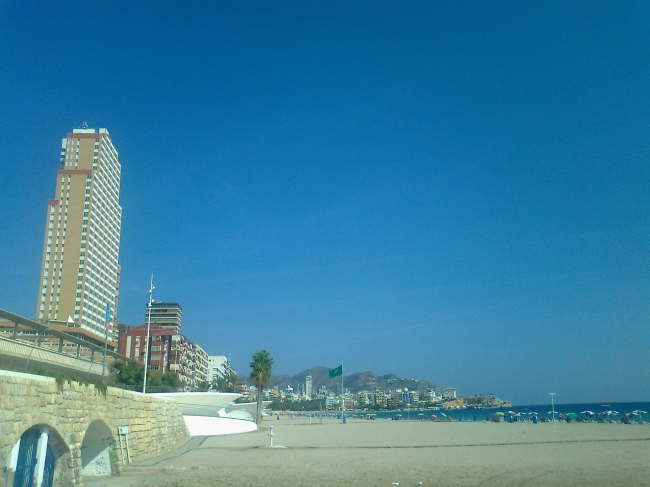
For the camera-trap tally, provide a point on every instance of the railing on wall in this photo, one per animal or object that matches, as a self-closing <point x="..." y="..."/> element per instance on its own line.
<point x="31" y="356"/>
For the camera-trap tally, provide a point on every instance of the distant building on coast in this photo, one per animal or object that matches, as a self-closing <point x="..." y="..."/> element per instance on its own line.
<point x="308" y="387"/>
<point x="80" y="273"/>
<point x="449" y="393"/>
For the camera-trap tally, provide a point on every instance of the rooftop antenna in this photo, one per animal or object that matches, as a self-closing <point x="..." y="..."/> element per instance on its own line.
<point x="84" y="125"/>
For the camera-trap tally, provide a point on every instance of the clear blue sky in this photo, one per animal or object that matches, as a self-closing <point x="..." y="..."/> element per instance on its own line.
<point x="456" y="192"/>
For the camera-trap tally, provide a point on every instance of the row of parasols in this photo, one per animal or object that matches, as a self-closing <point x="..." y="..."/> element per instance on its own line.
<point x="573" y="416"/>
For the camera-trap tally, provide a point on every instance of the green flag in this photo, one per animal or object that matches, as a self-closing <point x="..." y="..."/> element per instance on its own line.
<point x="336" y="372"/>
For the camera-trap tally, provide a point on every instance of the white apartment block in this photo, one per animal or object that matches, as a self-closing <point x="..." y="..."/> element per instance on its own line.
<point x="218" y="366"/>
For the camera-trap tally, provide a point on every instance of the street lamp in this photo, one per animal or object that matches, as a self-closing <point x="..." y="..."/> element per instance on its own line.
<point x="552" y="394"/>
<point x="146" y="351"/>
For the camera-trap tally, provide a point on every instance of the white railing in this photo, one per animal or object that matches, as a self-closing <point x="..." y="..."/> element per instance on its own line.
<point x="15" y="349"/>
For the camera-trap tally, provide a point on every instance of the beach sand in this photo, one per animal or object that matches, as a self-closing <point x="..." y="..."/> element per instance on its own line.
<point x="381" y="453"/>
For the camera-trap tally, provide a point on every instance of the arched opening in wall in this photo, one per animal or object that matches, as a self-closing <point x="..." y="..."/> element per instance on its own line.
<point x="96" y="449"/>
<point x="39" y="458"/>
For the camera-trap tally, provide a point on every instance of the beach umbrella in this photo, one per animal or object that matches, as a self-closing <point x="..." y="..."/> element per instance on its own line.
<point x="572" y="415"/>
<point x="443" y="414"/>
<point x="500" y="413"/>
<point x="588" y="413"/>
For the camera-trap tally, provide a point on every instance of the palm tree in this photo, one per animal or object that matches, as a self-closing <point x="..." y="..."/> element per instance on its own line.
<point x="226" y="383"/>
<point x="232" y="378"/>
<point x="261" y="365"/>
<point x="203" y="386"/>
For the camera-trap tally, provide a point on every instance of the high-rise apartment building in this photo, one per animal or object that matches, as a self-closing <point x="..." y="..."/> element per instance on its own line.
<point x="80" y="270"/>
<point x="167" y="315"/>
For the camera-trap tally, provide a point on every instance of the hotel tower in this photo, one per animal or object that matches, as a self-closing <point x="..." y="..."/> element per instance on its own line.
<point x="80" y="274"/>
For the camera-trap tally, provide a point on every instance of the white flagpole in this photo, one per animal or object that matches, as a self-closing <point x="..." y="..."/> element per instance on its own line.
<point x="342" y="396"/>
<point x="108" y="319"/>
<point x="146" y="352"/>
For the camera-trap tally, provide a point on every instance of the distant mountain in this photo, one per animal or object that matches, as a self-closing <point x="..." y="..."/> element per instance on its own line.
<point x="359" y="381"/>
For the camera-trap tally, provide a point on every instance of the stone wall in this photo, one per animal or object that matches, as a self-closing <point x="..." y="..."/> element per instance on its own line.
<point x="154" y="424"/>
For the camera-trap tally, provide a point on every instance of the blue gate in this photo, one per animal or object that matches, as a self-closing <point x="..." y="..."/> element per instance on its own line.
<point x="26" y="465"/>
<point x="48" y="471"/>
<point x="25" y="474"/>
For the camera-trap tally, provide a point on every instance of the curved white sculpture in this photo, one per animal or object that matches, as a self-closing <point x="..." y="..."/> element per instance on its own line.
<point x="200" y="403"/>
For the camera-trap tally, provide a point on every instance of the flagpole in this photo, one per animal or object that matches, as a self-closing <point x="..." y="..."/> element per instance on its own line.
<point x="108" y="319"/>
<point x="105" y="347"/>
<point x="146" y="351"/>
<point x="342" y="397"/>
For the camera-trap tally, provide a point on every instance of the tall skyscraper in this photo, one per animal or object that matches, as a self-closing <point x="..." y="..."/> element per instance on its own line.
<point x="167" y="315"/>
<point x="80" y="270"/>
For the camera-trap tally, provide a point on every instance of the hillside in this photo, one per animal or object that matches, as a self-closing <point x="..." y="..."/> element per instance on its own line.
<point x="356" y="382"/>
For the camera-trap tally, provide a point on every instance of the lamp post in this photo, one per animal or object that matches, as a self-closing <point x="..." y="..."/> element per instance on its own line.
<point x="146" y="348"/>
<point x="552" y="394"/>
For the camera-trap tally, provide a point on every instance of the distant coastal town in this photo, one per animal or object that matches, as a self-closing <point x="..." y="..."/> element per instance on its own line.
<point x="312" y="390"/>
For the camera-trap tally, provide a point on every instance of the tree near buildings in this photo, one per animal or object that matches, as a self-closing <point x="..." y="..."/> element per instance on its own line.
<point x="261" y="369"/>
<point x="227" y="383"/>
<point x="130" y="374"/>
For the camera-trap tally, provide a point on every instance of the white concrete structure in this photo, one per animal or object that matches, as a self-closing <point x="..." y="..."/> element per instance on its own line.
<point x="249" y="410"/>
<point x="202" y="426"/>
<point x="200" y="403"/>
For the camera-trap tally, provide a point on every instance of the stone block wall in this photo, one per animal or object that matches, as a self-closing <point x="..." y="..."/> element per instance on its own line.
<point x="26" y="400"/>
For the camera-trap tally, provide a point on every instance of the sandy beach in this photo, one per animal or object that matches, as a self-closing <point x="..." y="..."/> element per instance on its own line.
<point x="382" y="453"/>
